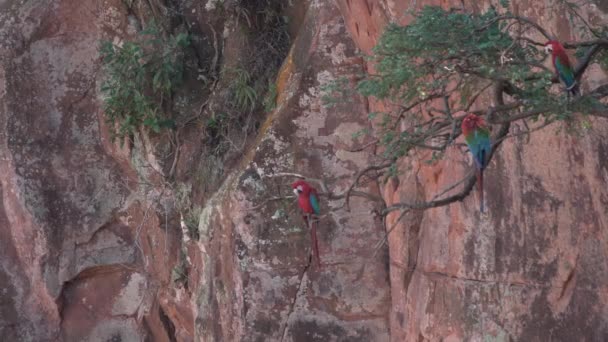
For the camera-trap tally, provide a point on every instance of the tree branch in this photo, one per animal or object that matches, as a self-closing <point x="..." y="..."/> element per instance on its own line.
<point x="521" y="19"/>
<point x="359" y="175"/>
<point x="600" y="92"/>
<point x="583" y="63"/>
<point x="471" y="179"/>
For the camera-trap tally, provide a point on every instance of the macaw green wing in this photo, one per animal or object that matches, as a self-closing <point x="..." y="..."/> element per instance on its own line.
<point x="479" y="145"/>
<point x="564" y="70"/>
<point x="314" y="202"/>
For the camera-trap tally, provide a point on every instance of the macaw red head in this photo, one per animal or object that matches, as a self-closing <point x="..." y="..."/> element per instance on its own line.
<point x="471" y="122"/>
<point x="553" y="46"/>
<point x="301" y="187"/>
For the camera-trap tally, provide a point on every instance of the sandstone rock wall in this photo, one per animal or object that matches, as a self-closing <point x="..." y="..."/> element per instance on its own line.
<point x="257" y="271"/>
<point x="90" y="233"/>
<point x="71" y="213"/>
<point x="535" y="268"/>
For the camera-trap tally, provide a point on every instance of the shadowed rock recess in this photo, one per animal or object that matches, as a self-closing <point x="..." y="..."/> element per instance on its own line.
<point x="91" y="243"/>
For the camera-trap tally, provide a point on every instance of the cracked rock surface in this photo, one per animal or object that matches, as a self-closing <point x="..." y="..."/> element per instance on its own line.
<point x="534" y="268"/>
<point x="86" y="256"/>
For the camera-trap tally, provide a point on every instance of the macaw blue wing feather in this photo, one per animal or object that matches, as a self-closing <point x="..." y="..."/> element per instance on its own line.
<point x="480" y="146"/>
<point x="314" y="202"/>
<point x="565" y="72"/>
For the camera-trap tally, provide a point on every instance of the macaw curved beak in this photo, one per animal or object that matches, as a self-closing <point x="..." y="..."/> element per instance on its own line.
<point x="296" y="191"/>
<point x="548" y="49"/>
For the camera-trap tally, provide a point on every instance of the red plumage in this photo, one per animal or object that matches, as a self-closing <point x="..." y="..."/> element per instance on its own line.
<point x="303" y="196"/>
<point x="306" y="193"/>
<point x="563" y="67"/>
<point x="559" y="52"/>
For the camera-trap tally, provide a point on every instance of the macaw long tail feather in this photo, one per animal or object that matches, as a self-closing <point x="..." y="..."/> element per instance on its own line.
<point x="574" y="89"/>
<point x="315" y="245"/>
<point x="480" y="187"/>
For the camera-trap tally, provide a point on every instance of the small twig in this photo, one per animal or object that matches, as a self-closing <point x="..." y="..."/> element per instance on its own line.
<point x="583" y="63"/>
<point x="573" y="45"/>
<point x="287" y="174"/>
<point x="521" y="19"/>
<point x="527" y="132"/>
<point x="453" y="186"/>
<point x="531" y="41"/>
<point x="216" y="49"/>
<point x="470" y="181"/>
<point x="272" y="199"/>
<point x="178" y="147"/>
<point x="361" y="174"/>
<point x="321" y="184"/>
<point x="138" y="231"/>
<point x="359" y="149"/>
<point x="474" y="97"/>
<point x="390" y="230"/>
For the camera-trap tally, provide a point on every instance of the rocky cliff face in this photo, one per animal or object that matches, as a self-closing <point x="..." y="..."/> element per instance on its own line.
<point x="91" y="233"/>
<point x="534" y="269"/>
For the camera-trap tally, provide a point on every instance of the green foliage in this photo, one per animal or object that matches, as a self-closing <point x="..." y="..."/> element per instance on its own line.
<point x="248" y="88"/>
<point x="407" y="55"/>
<point x="140" y="75"/>
<point x="244" y="95"/>
<point x="217" y="121"/>
<point x="425" y="62"/>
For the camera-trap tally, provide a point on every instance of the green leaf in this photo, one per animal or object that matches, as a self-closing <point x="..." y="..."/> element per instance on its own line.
<point x="138" y="75"/>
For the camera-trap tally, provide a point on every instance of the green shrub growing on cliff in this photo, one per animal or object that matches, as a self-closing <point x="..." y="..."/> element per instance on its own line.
<point x="140" y="79"/>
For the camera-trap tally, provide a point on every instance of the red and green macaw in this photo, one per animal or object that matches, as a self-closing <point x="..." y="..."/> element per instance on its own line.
<point x="562" y="66"/>
<point x="477" y="136"/>
<point x="308" y="201"/>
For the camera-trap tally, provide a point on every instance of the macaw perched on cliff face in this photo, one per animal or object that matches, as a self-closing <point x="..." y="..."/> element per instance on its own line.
<point x="308" y="201"/>
<point x="477" y="137"/>
<point x="562" y="66"/>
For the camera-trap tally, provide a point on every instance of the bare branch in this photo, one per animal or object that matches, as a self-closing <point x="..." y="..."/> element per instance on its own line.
<point x="361" y="174"/>
<point x="390" y="230"/>
<point x="593" y="42"/>
<point x="600" y="92"/>
<point x="453" y="186"/>
<point x="359" y="149"/>
<point x="521" y="19"/>
<point x="288" y="174"/>
<point x="271" y="199"/>
<point x="583" y="63"/>
<point x="470" y="180"/>
<point x="531" y="41"/>
<point x="475" y="96"/>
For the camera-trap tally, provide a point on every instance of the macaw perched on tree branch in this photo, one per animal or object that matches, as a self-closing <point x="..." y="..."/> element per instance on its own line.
<point x="308" y="201"/>
<point x="562" y="65"/>
<point x="477" y="137"/>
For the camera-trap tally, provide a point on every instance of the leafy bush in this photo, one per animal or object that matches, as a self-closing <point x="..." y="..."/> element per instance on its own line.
<point x="140" y="77"/>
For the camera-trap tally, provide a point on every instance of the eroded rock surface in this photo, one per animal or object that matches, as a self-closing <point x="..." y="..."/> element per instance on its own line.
<point x="534" y="269"/>
<point x="70" y="267"/>
<point x="87" y="253"/>
<point x="257" y="269"/>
